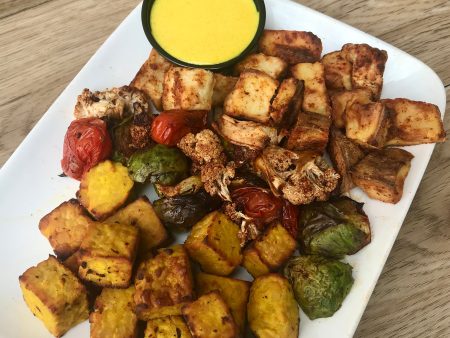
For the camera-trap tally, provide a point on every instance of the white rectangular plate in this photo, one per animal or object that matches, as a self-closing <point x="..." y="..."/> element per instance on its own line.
<point x="30" y="186"/>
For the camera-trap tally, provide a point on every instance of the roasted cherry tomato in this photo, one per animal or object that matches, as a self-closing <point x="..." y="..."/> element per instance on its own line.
<point x="86" y="143"/>
<point x="171" y="126"/>
<point x="289" y="218"/>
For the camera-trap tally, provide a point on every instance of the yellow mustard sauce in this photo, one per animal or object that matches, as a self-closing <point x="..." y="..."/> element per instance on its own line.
<point x="204" y="32"/>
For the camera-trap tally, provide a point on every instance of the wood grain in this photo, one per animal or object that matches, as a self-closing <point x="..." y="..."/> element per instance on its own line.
<point x="44" y="43"/>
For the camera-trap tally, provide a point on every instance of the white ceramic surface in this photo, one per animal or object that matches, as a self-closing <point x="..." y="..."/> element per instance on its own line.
<point x="30" y="186"/>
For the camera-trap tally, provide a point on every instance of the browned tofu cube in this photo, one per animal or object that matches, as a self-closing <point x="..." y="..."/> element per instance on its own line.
<point x="150" y="77"/>
<point x="292" y="46"/>
<point x="251" y="97"/>
<point x="163" y="284"/>
<point x="382" y="173"/>
<point x="282" y="102"/>
<point x="341" y="101"/>
<point x="338" y="71"/>
<point x="65" y="227"/>
<point x="113" y="314"/>
<point x="271" y="65"/>
<point x="167" y="327"/>
<point x="233" y="291"/>
<point x="223" y="85"/>
<point x="107" y="254"/>
<point x="210" y="317"/>
<point x="413" y="122"/>
<point x="55" y="296"/>
<point x="188" y="89"/>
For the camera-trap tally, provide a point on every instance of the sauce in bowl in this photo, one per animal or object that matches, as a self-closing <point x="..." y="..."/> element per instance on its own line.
<point x="204" y="32"/>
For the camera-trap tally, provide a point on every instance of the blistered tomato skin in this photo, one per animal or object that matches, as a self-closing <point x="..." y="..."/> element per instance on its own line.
<point x="86" y="143"/>
<point x="289" y="218"/>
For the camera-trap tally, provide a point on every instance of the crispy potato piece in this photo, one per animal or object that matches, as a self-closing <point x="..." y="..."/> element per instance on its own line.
<point x="272" y="309"/>
<point x="223" y="85"/>
<point x="253" y="262"/>
<point x="188" y="89"/>
<point x="65" y="227"/>
<point x="271" y="65"/>
<point x="104" y="189"/>
<point x="367" y="66"/>
<point x="141" y="214"/>
<point x="341" y="101"/>
<point x="150" y="77"/>
<point x="315" y="98"/>
<point x="382" y="173"/>
<point x="233" y="291"/>
<point x="163" y="284"/>
<point x="292" y="46"/>
<point x="113" y="314"/>
<point x="107" y="254"/>
<point x="338" y="71"/>
<point x="413" y="122"/>
<point x="73" y="262"/>
<point x="167" y="327"/>
<point x="210" y="317"/>
<point x="214" y="244"/>
<point x="274" y="248"/>
<point x="55" y="296"/>
<point x="251" y="97"/>
<point x="282" y="101"/>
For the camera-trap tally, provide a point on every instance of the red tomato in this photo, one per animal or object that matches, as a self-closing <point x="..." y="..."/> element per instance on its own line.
<point x="86" y="143"/>
<point x="289" y="218"/>
<point x="257" y="203"/>
<point x="171" y="126"/>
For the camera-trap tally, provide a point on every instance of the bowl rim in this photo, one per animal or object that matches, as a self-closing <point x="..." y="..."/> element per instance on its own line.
<point x="145" y="19"/>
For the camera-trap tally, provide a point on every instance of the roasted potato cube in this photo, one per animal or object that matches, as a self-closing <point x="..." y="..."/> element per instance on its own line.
<point x="223" y="85"/>
<point x="73" y="262"/>
<point x="167" y="327"/>
<point x="104" y="189"/>
<point x="113" y="314"/>
<point x="55" y="296"/>
<point x="413" y="122"/>
<point x="382" y="173"/>
<point x="209" y="317"/>
<point x="338" y="71"/>
<point x="233" y="291"/>
<point x="367" y="66"/>
<point x="107" y="254"/>
<point x="271" y="65"/>
<point x="282" y="101"/>
<point x="251" y="97"/>
<point x="141" y="214"/>
<point x="292" y="46"/>
<point x="315" y="99"/>
<point x="273" y="249"/>
<point x="367" y="123"/>
<point x="253" y="262"/>
<point x="343" y="100"/>
<point x="188" y="89"/>
<point x="150" y="77"/>
<point x="163" y="284"/>
<point x="272" y="309"/>
<point x="214" y="244"/>
<point x="65" y="227"/>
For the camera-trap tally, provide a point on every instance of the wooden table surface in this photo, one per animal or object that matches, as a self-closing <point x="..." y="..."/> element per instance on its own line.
<point x="44" y="43"/>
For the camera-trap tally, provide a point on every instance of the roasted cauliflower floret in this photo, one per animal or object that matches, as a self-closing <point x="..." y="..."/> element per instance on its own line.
<point x="203" y="147"/>
<point x="216" y="177"/>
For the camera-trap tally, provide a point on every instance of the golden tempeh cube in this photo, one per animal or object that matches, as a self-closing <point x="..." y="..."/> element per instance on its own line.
<point x="271" y="65"/>
<point x="342" y="101"/>
<point x="338" y="71"/>
<point x="287" y="93"/>
<point x="167" y="327"/>
<point x="223" y="85"/>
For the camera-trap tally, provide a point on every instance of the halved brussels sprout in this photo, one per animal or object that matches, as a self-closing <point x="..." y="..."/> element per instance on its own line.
<point x="320" y="284"/>
<point x="334" y="228"/>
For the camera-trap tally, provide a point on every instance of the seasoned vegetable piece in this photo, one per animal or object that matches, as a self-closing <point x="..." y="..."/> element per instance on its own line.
<point x="382" y="173"/>
<point x="292" y="46"/>
<point x="338" y="71"/>
<point x="283" y="99"/>
<point x="413" y="122"/>
<point x="210" y="317"/>
<point x="214" y="244"/>
<point x="272" y="309"/>
<point x="167" y="327"/>
<point x="159" y="164"/>
<point x="107" y="254"/>
<point x="320" y="284"/>
<point x="65" y="227"/>
<point x="73" y="262"/>
<point x="342" y="101"/>
<point x="334" y="228"/>
<point x="113" y="314"/>
<point x="233" y="291"/>
<point x="55" y="296"/>
<point x="271" y="65"/>
<point x="163" y="284"/>
<point x="182" y="212"/>
<point x="188" y="89"/>
<point x="190" y="185"/>
<point x="223" y="85"/>
<point x="104" y="189"/>
<point x="141" y="214"/>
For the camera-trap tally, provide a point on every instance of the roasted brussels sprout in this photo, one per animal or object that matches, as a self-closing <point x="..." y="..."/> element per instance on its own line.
<point x="334" y="228"/>
<point x="159" y="164"/>
<point x="183" y="211"/>
<point x="320" y="284"/>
